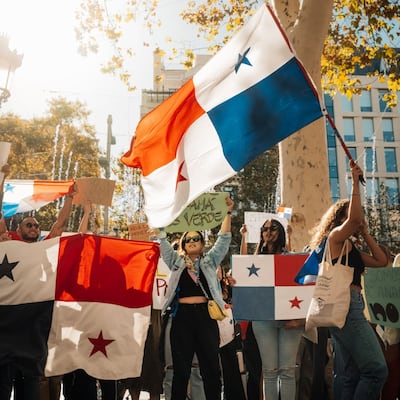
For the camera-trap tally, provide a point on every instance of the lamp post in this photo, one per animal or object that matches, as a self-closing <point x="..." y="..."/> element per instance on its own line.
<point x="10" y="60"/>
<point x="105" y="162"/>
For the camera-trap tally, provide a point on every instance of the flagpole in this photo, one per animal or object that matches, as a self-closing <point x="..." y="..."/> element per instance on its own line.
<point x="341" y="141"/>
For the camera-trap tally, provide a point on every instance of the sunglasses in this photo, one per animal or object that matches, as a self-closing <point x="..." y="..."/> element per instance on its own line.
<point x="271" y="228"/>
<point x="189" y="239"/>
<point x="32" y="225"/>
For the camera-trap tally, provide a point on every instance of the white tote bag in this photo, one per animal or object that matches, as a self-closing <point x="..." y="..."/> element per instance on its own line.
<point x="331" y="299"/>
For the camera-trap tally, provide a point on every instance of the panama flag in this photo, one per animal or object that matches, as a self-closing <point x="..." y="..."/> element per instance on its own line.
<point x="76" y="302"/>
<point x="248" y="97"/>
<point x="27" y="195"/>
<point x="265" y="288"/>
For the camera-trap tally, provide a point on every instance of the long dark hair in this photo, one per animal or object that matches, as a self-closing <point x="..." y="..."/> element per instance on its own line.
<point x="278" y="246"/>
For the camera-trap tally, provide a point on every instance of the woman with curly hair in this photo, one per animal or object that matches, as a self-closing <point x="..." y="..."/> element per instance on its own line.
<point x="364" y="367"/>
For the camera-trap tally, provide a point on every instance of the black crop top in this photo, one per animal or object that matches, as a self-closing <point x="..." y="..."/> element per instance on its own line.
<point x="188" y="288"/>
<point x="356" y="262"/>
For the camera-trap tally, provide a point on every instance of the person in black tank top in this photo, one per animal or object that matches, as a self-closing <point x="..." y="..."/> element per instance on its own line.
<point x="362" y="368"/>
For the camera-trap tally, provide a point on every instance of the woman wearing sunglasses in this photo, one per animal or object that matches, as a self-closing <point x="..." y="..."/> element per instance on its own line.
<point x="193" y="275"/>
<point x="277" y="340"/>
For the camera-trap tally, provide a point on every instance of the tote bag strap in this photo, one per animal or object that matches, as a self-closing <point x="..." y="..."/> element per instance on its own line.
<point x="345" y="245"/>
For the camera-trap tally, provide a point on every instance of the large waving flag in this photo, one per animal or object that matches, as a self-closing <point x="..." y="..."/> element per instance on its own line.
<point x="265" y="288"/>
<point x="251" y="95"/>
<point x="79" y="301"/>
<point x="27" y="195"/>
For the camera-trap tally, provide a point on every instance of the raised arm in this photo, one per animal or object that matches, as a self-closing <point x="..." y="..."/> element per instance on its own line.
<point x="226" y="223"/>
<point x="243" y="243"/>
<point x="84" y="224"/>
<point x="58" y="227"/>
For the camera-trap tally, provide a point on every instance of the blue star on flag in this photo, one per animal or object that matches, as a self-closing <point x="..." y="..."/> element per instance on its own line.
<point x="242" y="59"/>
<point x="253" y="270"/>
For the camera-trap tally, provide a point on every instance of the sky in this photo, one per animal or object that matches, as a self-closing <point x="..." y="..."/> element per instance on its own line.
<point x="43" y="31"/>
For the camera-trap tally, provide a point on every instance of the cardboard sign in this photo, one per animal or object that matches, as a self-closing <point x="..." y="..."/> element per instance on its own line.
<point x="382" y="293"/>
<point x="255" y="220"/>
<point x="96" y="190"/>
<point x="206" y="212"/>
<point x="4" y="152"/>
<point x="139" y="231"/>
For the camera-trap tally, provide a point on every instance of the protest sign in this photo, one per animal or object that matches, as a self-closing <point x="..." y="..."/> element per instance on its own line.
<point x="382" y="293"/>
<point x="139" y="231"/>
<point x="4" y="152"/>
<point x="95" y="190"/>
<point x="206" y="212"/>
<point x="255" y="220"/>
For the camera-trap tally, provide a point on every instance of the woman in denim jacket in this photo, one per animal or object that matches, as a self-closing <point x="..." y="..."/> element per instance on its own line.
<point x="193" y="331"/>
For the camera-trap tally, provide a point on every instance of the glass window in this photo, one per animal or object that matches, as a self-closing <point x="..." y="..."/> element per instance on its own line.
<point x="365" y="101"/>
<point x="335" y="192"/>
<point x="390" y="159"/>
<point x="372" y="188"/>
<point x="382" y="103"/>
<point x="370" y="160"/>
<point x="392" y="187"/>
<point x="353" y="152"/>
<point x="347" y="104"/>
<point x="387" y="130"/>
<point x="368" y="129"/>
<point x="348" y="126"/>
<point x="332" y="162"/>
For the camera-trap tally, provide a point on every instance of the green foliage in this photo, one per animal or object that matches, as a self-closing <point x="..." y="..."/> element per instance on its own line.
<point x="60" y="146"/>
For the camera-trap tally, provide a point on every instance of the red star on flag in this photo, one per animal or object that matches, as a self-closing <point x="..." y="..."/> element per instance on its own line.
<point x="99" y="344"/>
<point x="296" y="302"/>
<point x="180" y="177"/>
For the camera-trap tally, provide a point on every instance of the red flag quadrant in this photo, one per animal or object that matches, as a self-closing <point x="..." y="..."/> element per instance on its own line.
<point x="100" y="292"/>
<point x="27" y="195"/>
<point x="265" y="288"/>
<point x="251" y="95"/>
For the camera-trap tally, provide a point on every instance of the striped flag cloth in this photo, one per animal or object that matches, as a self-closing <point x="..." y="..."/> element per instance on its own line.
<point x="265" y="288"/>
<point x="248" y="97"/>
<point x="76" y="302"/>
<point x="22" y="195"/>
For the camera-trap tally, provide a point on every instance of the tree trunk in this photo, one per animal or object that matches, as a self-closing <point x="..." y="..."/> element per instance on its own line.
<point x="303" y="156"/>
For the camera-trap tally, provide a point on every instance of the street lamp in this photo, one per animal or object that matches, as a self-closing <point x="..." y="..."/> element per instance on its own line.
<point x="9" y="62"/>
<point x="105" y="162"/>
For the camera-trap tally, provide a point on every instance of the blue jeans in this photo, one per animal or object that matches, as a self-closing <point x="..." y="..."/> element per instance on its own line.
<point x="278" y="350"/>
<point x="363" y="366"/>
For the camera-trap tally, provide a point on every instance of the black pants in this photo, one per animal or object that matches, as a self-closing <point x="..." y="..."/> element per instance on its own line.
<point x="233" y="387"/>
<point x="78" y="385"/>
<point x="193" y="331"/>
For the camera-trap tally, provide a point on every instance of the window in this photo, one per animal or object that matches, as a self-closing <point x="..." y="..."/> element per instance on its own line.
<point x="372" y="188"/>
<point x="348" y="127"/>
<point x="370" y="160"/>
<point x="368" y="129"/>
<point x="332" y="161"/>
<point x="387" y="130"/>
<point x="335" y="192"/>
<point x="365" y="101"/>
<point x="392" y="188"/>
<point x="347" y="104"/>
<point x="353" y="152"/>
<point x="382" y="103"/>
<point x="390" y="159"/>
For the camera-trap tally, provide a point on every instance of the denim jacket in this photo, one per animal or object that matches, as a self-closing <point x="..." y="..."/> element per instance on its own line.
<point x="208" y="264"/>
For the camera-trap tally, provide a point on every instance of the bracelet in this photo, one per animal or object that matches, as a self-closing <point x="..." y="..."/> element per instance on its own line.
<point x="229" y="212"/>
<point x="69" y="196"/>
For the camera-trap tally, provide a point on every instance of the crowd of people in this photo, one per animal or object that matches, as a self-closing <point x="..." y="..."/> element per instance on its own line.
<point x="269" y="360"/>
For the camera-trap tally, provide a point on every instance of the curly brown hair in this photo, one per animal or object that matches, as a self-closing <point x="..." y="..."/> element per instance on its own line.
<point x="332" y="218"/>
